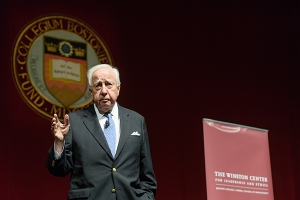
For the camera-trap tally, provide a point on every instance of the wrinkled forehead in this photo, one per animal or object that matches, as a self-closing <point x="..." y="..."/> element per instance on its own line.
<point x="102" y="75"/>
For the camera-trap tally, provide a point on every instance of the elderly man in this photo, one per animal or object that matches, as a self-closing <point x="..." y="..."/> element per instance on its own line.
<point x="104" y="146"/>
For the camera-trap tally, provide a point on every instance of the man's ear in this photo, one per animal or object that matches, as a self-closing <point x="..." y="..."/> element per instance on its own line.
<point x="119" y="88"/>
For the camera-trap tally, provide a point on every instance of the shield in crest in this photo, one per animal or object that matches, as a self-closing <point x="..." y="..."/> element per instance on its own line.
<point x="65" y="67"/>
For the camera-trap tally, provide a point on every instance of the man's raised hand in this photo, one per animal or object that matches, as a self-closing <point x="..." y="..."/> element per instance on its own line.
<point x="59" y="131"/>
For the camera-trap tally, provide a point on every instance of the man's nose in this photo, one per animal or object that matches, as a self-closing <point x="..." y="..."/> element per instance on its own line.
<point x="104" y="90"/>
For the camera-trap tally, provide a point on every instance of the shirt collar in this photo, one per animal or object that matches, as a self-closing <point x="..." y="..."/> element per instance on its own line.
<point x="114" y="112"/>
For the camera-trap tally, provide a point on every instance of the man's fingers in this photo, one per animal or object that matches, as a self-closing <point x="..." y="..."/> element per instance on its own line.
<point x="55" y="117"/>
<point x="54" y="120"/>
<point x="66" y="120"/>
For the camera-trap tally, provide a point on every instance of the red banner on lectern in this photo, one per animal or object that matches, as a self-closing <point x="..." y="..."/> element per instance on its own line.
<point x="237" y="162"/>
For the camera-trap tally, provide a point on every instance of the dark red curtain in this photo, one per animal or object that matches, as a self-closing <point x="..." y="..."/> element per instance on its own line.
<point x="179" y="62"/>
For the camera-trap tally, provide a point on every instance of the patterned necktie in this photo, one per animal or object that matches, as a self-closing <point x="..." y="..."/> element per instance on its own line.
<point x="110" y="133"/>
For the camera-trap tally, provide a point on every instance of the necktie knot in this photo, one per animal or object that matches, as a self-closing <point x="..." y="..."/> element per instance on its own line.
<point x="108" y="115"/>
<point x="108" y="121"/>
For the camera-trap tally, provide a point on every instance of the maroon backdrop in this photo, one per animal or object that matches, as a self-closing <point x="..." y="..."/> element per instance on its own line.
<point x="179" y="62"/>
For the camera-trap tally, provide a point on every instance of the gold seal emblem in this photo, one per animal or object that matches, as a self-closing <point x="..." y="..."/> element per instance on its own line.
<point x="50" y="59"/>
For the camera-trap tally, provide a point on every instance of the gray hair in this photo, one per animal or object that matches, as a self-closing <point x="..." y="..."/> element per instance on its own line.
<point x="91" y="71"/>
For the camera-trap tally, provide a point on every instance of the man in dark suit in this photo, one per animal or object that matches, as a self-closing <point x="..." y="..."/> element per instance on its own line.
<point x="104" y="146"/>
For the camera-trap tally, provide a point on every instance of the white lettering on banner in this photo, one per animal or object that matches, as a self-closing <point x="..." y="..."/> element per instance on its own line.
<point x="238" y="182"/>
<point x="222" y="174"/>
<point x="237" y="176"/>
<point x="257" y="178"/>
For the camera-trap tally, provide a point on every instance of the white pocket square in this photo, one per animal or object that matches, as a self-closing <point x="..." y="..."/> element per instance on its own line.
<point x="135" y="133"/>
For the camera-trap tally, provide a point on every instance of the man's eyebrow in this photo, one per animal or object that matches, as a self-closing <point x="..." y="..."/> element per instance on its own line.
<point x="97" y="82"/>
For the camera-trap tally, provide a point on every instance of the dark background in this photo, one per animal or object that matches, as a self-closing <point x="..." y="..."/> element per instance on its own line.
<point x="180" y="62"/>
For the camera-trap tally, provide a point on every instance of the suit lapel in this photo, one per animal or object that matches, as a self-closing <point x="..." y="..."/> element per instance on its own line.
<point x="92" y="124"/>
<point x="124" y="129"/>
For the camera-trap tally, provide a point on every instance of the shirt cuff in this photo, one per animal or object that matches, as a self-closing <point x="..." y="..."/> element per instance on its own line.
<point x="57" y="155"/>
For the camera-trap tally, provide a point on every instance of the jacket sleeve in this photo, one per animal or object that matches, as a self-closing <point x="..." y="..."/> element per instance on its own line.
<point x="147" y="176"/>
<point x="62" y="166"/>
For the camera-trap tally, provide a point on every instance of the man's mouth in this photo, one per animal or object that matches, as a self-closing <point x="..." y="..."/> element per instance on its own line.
<point x="104" y="100"/>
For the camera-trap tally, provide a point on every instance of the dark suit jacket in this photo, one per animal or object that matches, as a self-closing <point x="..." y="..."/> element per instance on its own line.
<point x="94" y="173"/>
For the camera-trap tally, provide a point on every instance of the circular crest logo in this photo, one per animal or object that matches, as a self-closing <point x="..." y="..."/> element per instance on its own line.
<point x="50" y="59"/>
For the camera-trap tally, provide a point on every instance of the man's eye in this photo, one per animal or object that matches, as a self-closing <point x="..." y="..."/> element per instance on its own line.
<point x="109" y="85"/>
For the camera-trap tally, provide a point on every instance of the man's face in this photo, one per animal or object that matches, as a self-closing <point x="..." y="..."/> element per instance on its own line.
<point x="104" y="89"/>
